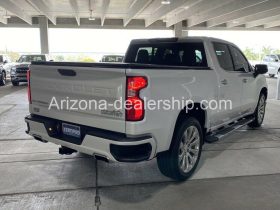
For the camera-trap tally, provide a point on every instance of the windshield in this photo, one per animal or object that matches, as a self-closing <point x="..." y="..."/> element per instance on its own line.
<point x="30" y="58"/>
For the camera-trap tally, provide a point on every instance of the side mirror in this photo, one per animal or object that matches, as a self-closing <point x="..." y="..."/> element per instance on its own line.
<point x="276" y="60"/>
<point x="260" y="69"/>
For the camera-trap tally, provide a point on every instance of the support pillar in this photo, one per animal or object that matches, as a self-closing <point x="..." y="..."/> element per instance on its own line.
<point x="178" y="29"/>
<point x="185" y="33"/>
<point x="44" y="35"/>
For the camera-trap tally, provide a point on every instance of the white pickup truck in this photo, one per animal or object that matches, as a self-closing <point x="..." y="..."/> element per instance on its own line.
<point x="273" y="64"/>
<point x="199" y="69"/>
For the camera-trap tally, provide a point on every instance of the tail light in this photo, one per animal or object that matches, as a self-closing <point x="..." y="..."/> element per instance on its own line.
<point x="28" y="89"/>
<point x="134" y="104"/>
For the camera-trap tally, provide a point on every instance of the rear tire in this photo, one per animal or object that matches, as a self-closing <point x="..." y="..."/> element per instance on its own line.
<point x="181" y="160"/>
<point x="3" y="79"/>
<point x="15" y="83"/>
<point x="259" y="112"/>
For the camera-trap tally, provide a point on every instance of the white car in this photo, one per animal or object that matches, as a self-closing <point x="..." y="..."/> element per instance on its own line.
<point x="5" y="68"/>
<point x="273" y="64"/>
<point x="197" y="69"/>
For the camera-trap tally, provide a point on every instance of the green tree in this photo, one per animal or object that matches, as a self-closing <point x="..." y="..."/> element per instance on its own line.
<point x="58" y="58"/>
<point x="266" y="50"/>
<point x="13" y="55"/>
<point x="87" y="59"/>
<point x="250" y="54"/>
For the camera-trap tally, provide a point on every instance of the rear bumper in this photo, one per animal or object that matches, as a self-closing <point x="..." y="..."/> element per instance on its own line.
<point x="97" y="142"/>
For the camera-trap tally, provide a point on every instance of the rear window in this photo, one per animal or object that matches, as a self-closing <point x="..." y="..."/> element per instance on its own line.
<point x="171" y="54"/>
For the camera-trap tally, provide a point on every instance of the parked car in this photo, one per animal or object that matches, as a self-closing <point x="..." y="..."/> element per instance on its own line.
<point x="112" y="58"/>
<point x="197" y="68"/>
<point x="19" y="69"/>
<point x="5" y="67"/>
<point x="273" y="64"/>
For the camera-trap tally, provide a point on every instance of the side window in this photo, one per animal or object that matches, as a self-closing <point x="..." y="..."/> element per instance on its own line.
<point x="1" y="58"/>
<point x="224" y="57"/>
<point x="239" y="60"/>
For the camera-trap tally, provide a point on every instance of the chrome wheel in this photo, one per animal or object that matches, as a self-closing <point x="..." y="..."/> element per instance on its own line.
<point x="189" y="149"/>
<point x="261" y="109"/>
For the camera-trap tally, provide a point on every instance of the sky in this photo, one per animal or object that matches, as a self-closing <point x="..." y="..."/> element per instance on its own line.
<point x="116" y="41"/>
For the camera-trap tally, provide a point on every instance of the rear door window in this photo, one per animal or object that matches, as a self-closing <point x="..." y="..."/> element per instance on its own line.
<point x="170" y="54"/>
<point x="223" y="56"/>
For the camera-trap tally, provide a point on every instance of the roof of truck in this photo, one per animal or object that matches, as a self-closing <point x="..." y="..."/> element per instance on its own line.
<point x="181" y="39"/>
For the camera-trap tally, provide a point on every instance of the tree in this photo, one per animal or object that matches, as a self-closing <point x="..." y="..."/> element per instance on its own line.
<point x="266" y="50"/>
<point x="250" y="54"/>
<point x="13" y="55"/>
<point x="58" y="58"/>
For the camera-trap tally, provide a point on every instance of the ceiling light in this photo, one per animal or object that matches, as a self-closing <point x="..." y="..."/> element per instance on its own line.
<point x="186" y="7"/>
<point x="165" y="2"/>
<point x="235" y="21"/>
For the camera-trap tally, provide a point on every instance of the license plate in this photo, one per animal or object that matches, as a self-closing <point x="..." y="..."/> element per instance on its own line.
<point x="71" y="130"/>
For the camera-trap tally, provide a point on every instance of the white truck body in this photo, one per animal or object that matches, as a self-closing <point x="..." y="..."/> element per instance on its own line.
<point x="108" y="82"/>
<point x="273" y="64"/>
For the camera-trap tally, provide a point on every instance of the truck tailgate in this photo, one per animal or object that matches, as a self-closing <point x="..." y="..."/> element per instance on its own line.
<point x="91" y="86"/>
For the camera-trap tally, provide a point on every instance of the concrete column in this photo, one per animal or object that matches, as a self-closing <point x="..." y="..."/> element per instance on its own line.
<point x="185" y="33"/>
<point x="278" y="88"/>
<point x="178" y="32"/>
<point x="44" y="35"/>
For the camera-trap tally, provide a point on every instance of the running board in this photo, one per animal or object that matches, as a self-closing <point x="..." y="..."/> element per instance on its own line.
<point x="221" y="133"/>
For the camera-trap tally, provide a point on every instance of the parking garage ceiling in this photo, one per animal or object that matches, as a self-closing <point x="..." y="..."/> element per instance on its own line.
<point x="144" y="14"/>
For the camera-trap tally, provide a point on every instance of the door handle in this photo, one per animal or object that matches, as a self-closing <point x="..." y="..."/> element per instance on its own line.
<point x="245" y="80"/>
<point x="224" y="82"/>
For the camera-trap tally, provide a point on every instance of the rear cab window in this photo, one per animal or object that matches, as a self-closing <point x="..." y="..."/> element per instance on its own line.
<point x="189" y="54"/>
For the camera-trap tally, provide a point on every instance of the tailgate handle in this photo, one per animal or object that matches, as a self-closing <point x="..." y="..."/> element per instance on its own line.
<point x="67" y="72"/>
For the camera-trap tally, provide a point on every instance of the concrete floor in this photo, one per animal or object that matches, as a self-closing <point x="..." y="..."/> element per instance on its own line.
<point x="239" y="172"/>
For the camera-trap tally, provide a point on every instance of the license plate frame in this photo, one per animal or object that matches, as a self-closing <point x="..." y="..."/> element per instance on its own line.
<point x="71" y="130"/>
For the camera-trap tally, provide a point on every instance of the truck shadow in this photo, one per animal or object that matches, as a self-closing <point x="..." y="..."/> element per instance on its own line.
<point x="137" y="182"/>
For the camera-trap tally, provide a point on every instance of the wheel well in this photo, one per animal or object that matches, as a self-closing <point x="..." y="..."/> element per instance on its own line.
<point x="196" y="111"/>
<point x="264" y="91"/>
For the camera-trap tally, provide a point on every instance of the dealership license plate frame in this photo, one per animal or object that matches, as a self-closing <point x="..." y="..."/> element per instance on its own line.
<point x="71" y="130"/>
